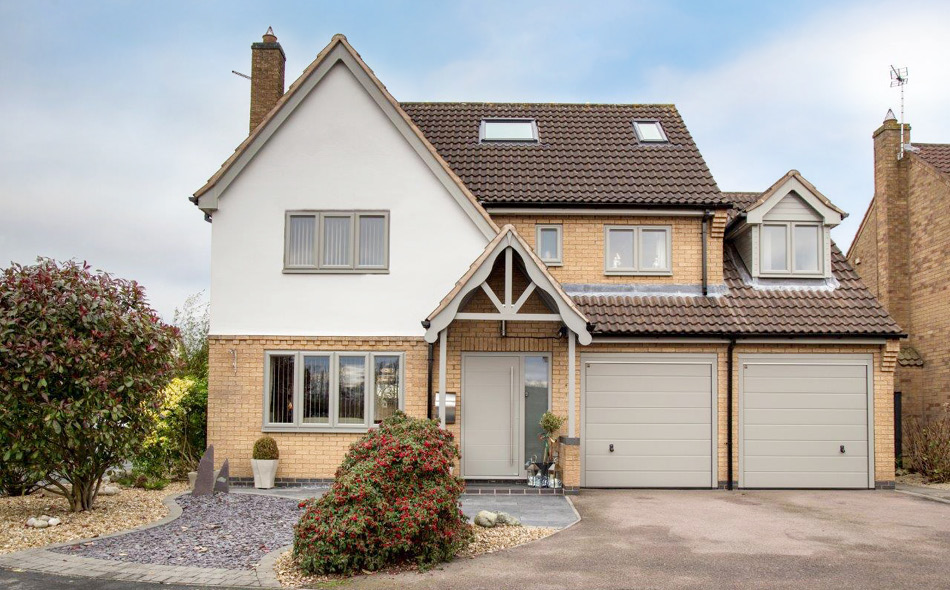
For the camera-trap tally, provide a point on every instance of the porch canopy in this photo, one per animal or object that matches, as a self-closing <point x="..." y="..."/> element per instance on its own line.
<point x="518" y="254"/>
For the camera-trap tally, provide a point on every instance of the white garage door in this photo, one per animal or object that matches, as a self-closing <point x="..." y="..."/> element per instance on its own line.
<point x="648" y="421"/>
<point x="805" y="421"/>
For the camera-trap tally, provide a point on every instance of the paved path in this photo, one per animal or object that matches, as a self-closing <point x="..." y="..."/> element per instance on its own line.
<point x="930" y="492"/>
<point x="13" y="580"/>
<point x="718" y="539"/>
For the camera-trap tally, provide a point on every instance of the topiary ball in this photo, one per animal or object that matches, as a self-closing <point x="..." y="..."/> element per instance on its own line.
<point x="265" y="449"/>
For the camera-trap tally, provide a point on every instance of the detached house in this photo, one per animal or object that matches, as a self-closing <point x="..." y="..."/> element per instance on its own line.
<point x="900" y="251"/>
<point x="483" y="263"/>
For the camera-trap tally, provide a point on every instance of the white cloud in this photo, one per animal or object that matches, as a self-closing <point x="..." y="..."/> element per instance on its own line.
<point x="811" y="97"/>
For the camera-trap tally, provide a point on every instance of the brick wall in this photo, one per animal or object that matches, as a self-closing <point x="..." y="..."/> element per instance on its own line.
<point x="583" y="256"/>
<point x="235" y="400"/>
<point x="267" y="78"/>
<point x="902" y="246"/>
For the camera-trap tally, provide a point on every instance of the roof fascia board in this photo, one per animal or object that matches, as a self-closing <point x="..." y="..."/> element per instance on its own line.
<point x="756" y="214"/>
<point x="597" y="212"/>
<point x="573" y="318"/>
<point x="341" y="53"/>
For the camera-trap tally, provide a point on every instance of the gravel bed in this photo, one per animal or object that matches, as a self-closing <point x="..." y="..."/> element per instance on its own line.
<point x="232" y="531"/>
<point x="916" y="479"/>
<point x="484" y="541"/>
<point x="110" y="514"/>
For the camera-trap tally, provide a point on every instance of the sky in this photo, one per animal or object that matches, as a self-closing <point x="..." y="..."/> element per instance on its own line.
<point x="116" y="112"/>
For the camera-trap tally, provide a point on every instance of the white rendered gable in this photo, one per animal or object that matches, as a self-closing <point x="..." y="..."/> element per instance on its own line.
<point x="337" y="149"/>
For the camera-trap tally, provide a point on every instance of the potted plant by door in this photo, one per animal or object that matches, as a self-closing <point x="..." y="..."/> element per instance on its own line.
<point x="264" y="462"/>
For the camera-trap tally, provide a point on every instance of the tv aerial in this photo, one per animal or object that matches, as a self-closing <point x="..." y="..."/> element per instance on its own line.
<point x="899" y="78"/>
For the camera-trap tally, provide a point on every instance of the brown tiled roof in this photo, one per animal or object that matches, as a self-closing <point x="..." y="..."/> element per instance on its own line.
<point x="740" y="202"/>
<point x="849" y="309"/>
<point x="935" y="154"/>
<point x="587" y="154"/>
<point x="909" y="357"/>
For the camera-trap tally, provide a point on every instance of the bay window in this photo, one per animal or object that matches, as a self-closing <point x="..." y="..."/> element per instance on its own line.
<point x="325" y="391"/>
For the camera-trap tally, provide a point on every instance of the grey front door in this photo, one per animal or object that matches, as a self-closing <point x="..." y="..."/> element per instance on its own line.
<point x="491" y="411"/>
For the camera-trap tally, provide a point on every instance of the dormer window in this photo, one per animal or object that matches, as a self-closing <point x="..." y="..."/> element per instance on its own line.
<point x="508" y="130"/>
<point x="650" y="131"/>
<point x="792" y="248"/>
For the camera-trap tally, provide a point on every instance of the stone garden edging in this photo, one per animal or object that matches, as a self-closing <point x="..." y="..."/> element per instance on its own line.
<point x="49" y="562"/>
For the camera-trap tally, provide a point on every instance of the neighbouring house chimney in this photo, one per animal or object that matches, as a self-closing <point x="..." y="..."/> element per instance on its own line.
<point x="893" y="217"/>
<point x="267" y="76"/>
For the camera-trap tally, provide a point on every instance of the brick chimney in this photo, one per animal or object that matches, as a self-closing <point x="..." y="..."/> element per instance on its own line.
<point x="893" y="235"/>
<point x="267" y="76"/>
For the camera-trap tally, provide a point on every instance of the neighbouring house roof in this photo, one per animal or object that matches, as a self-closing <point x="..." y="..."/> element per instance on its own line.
<point x="587" y="154"/>
<point x="909" y="357"/>
<point x="935" y="154"/>
<point x="478" y="272"/>
<point x="746" y="310"/>
<point x="339" y="50"/>
<point x="739" y="202"/>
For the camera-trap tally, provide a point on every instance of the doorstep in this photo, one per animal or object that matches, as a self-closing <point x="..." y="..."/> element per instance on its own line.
<point x="508" y="487"/>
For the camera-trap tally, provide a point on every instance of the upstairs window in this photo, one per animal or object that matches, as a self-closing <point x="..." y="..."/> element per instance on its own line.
<point x="791" y="249"/>
<point x="549" y="243"/>
<point x="637" y="250"/>
<point x="511" y="130"/>
<point x="650" y="131"/>
<point x="336" y="241"/>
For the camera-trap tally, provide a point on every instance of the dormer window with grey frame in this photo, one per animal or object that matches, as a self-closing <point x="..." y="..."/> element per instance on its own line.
<point x="354" y="242"/>
<point x="638" y="250"/>
<point x="649" y="131"/>
<point x="791" y="249"/>
<point x="550" y="243"/>
<point x="508" y="131"/>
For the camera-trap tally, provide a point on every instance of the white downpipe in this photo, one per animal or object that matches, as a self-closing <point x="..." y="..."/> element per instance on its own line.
<point x="443" y="336"/>
<point x="571" y="385"/>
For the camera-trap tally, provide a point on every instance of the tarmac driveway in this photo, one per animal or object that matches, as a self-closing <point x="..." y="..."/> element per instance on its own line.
<point x="718" y="539"/>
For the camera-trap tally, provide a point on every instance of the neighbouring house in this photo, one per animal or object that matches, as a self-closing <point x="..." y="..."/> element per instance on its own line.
<point x="901" y="253"/>
<point x="484" y="262"/>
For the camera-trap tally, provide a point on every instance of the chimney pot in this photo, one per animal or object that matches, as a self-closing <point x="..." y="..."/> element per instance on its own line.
<point x="267" y="77"/>
<point x="888" y="117"/>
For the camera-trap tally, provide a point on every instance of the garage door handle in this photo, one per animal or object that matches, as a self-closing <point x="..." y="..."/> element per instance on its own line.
<point x="842" y="448"/>
<point x="611" y="447"/>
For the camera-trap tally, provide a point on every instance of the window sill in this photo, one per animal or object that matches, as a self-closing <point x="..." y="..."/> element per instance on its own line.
<point x="790" y="275"/>
<point x="638" y="273"/>
<point x="336" y="271"/>
<point x="550" y="263"/>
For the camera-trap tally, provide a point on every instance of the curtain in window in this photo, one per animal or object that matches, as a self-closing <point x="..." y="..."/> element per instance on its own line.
<point x="336" y="241"/>
<point x="316" y="389"/>
<point x="653" y="255"/>
<point x="386" y="387"/>
<point x="352" y="389"/>
<point x="372" y="236"/>
<point x="620" y="249"/>
<point x="281" y="409"/>
<point x="300" y="240"/>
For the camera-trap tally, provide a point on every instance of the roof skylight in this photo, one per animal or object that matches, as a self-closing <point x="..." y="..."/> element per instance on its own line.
<point x="650" y="131"/>
<point x="508" y="130"/>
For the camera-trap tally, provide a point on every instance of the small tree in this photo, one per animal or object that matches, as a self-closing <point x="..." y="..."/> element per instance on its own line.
<point x="193" y="320"/>
<point x="82" y="357"/>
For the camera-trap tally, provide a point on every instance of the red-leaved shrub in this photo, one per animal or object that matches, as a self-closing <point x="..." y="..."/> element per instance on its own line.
<point x="394" y="501"/>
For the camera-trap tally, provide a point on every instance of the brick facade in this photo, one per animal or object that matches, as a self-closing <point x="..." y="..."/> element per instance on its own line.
<point x="900" y="253"/>
<point x="583" y="247"/>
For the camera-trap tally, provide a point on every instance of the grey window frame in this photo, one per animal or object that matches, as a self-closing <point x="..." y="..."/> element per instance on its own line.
<point x="334" y="425"/>
<point x="559" y="259"/>
<point x="659" y="125"/>
<point x="790" y="250"/>
<point x="483" y="124"/>
<point x="636" y="270"/>
<point x="353" y="267"/>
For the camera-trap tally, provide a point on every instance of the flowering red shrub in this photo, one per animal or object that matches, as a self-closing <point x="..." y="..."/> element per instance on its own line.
<point x="394" y="501"/>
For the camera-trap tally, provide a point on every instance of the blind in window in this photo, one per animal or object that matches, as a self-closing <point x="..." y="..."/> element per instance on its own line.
<point x="300" y="240"/>
<point x="281" y="410"/>
<point x="352" y="389"/>
<point x="372" y="240"/>
<point x="336" y="241"/>
<point x="316" y="389"/>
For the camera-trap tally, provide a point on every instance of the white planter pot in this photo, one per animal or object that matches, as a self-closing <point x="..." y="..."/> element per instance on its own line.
<point x="264" y="473"/>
